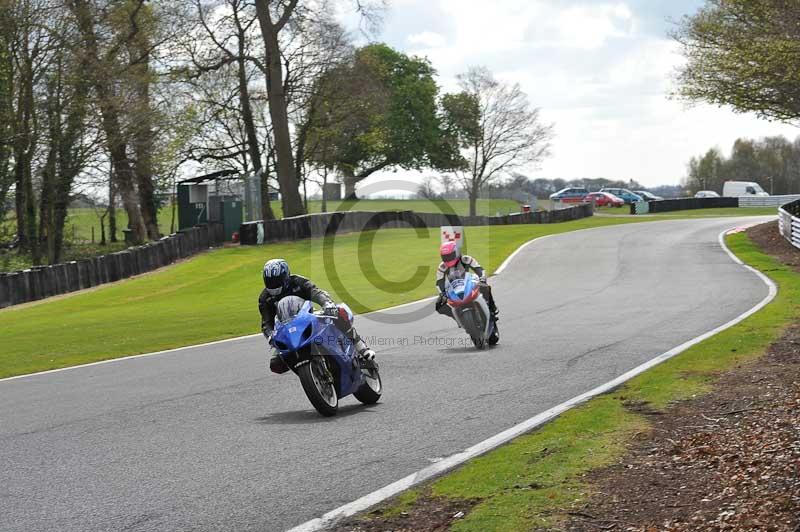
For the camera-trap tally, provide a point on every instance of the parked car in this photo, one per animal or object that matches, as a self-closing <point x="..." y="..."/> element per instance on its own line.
<point x="604" y="199"/>
<point x="623" y="193"/>
<point x="737" y="189"/>
<point x="647" y="196"/>
<point x="570" y="195"/>
<point x="706" y="194"/>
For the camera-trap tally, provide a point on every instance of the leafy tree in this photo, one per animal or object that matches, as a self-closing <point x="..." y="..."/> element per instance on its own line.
<point x="772" y="162"/>
<point x="705" y="172"/>
<point x="377" y="111"/>
<point x="745" y="54"/>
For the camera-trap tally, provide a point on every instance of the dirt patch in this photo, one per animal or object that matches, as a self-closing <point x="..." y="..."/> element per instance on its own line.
<point x="772" y="242"/>
<point x="426" y="513"/>
<point x="729" y="460"/>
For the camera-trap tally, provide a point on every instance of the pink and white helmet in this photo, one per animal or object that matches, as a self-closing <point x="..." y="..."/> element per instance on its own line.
<point x="450" y="254"/>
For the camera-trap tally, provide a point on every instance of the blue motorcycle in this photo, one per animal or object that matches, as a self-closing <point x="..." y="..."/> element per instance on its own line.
<point x="322" y="356"/>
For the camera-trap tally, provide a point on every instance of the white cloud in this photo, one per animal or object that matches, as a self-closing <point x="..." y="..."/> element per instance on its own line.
<point x="590" y="26"/>
<point x="600" y="70"/>
<point x="427" y="39"/>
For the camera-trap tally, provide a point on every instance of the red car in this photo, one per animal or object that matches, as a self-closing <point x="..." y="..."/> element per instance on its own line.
<point x="604" y="199"/>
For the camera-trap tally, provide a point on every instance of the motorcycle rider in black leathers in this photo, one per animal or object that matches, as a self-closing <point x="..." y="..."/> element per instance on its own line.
<point x="279" y="283"/>
<point x="454" y="266"/>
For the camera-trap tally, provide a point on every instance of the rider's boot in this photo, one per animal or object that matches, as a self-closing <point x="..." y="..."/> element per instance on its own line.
<point x="494" y="310"/>
<point x="363" y="350"/>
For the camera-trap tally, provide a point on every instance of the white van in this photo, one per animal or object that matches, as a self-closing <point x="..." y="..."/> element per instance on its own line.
<point x="736" y="189"/>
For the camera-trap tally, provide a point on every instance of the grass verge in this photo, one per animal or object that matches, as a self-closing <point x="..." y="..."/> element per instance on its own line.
<point x="533" y="482"/>
<point x="213" y="296"/>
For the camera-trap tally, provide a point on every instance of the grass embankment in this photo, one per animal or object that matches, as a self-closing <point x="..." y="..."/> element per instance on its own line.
<point x="535" y="480"/>
<point x="81" y="221"/>
<point x="214" y="295"/>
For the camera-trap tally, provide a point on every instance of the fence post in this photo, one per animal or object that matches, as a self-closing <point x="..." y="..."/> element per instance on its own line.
<point x="5" y="296"/>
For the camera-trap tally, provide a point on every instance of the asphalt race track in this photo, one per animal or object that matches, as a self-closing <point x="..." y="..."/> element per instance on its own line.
<point x="206" y="439"/>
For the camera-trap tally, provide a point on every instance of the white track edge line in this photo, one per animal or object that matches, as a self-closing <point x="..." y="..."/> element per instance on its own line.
<point x="216" y="342"/>
<point x="497" y="440"/>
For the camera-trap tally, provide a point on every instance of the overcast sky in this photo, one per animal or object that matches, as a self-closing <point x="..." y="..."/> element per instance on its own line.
<point x="601" y="71"/>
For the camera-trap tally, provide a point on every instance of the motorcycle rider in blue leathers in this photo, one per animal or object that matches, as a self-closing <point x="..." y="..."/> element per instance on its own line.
<point x="279" y="283"/>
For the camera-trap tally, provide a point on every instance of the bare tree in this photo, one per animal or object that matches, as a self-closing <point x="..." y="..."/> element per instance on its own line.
<point x="496" y="129"/>
<point x="229" y="45"/>
<point x="447" y="183"/>
<point x="427" y="190"/>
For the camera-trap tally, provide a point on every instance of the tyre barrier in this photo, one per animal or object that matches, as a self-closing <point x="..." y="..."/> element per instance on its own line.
<point x="40" y="282"/>
<point x="327" y="224"/>
<point x="684" y="204"/>
<point x="789" y="222"/>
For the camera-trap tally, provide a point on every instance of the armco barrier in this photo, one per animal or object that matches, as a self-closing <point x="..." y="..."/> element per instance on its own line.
<point x="325" y="224"/>
<point x="687" y="203"/>
<point x="767" y="201"/>
<point x="788" y="221"/>
<point x="40" y="282"/>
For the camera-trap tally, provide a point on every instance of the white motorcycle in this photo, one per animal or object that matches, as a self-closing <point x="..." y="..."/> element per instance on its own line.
<point x="471" y="311"/>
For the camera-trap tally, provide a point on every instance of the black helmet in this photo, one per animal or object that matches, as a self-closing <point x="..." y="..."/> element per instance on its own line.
<point x="276" y="276"/>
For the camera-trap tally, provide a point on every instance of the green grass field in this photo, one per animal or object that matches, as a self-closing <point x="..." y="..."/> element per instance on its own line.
<point x="84" y="219"/>
<point x="214" y="295"/>
<point x="534" y="481"/>
<point x="81" y="221"/>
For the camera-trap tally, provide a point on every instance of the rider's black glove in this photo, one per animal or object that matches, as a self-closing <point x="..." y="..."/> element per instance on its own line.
<point x="330" y="309"/>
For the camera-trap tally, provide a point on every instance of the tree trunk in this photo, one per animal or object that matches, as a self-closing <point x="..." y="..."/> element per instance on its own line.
<point x="473" y="201"/>
<point x="350" y="181"/>
<point x="47" y="198"/>
<point x="19" y="199"/>
<point x="60" y="207"/>
<point x="124" y="184"/>
<point x="143" y="135"/>
<point x="290" y="187"/>
<point x="112" y="210"/>
<point x="324" y="191"/>
<point x="6" y="116"/>
<point x="25" y="199"/>
<point x="30" y="216"/>
<point x="103" y="230"/>
<point x="108" y="102"/>
<point x="253" y="148"/>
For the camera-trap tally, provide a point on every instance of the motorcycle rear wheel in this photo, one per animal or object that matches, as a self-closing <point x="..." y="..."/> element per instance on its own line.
<point x="370" y="392"/>
<point x="318" y="384"/>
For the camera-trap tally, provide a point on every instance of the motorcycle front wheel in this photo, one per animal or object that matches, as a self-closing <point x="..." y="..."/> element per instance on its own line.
<point x="495" y="336"/>
<point x="318" y="384"/>
<point x="480" y="343"/>
<point x="369" y="392"/>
